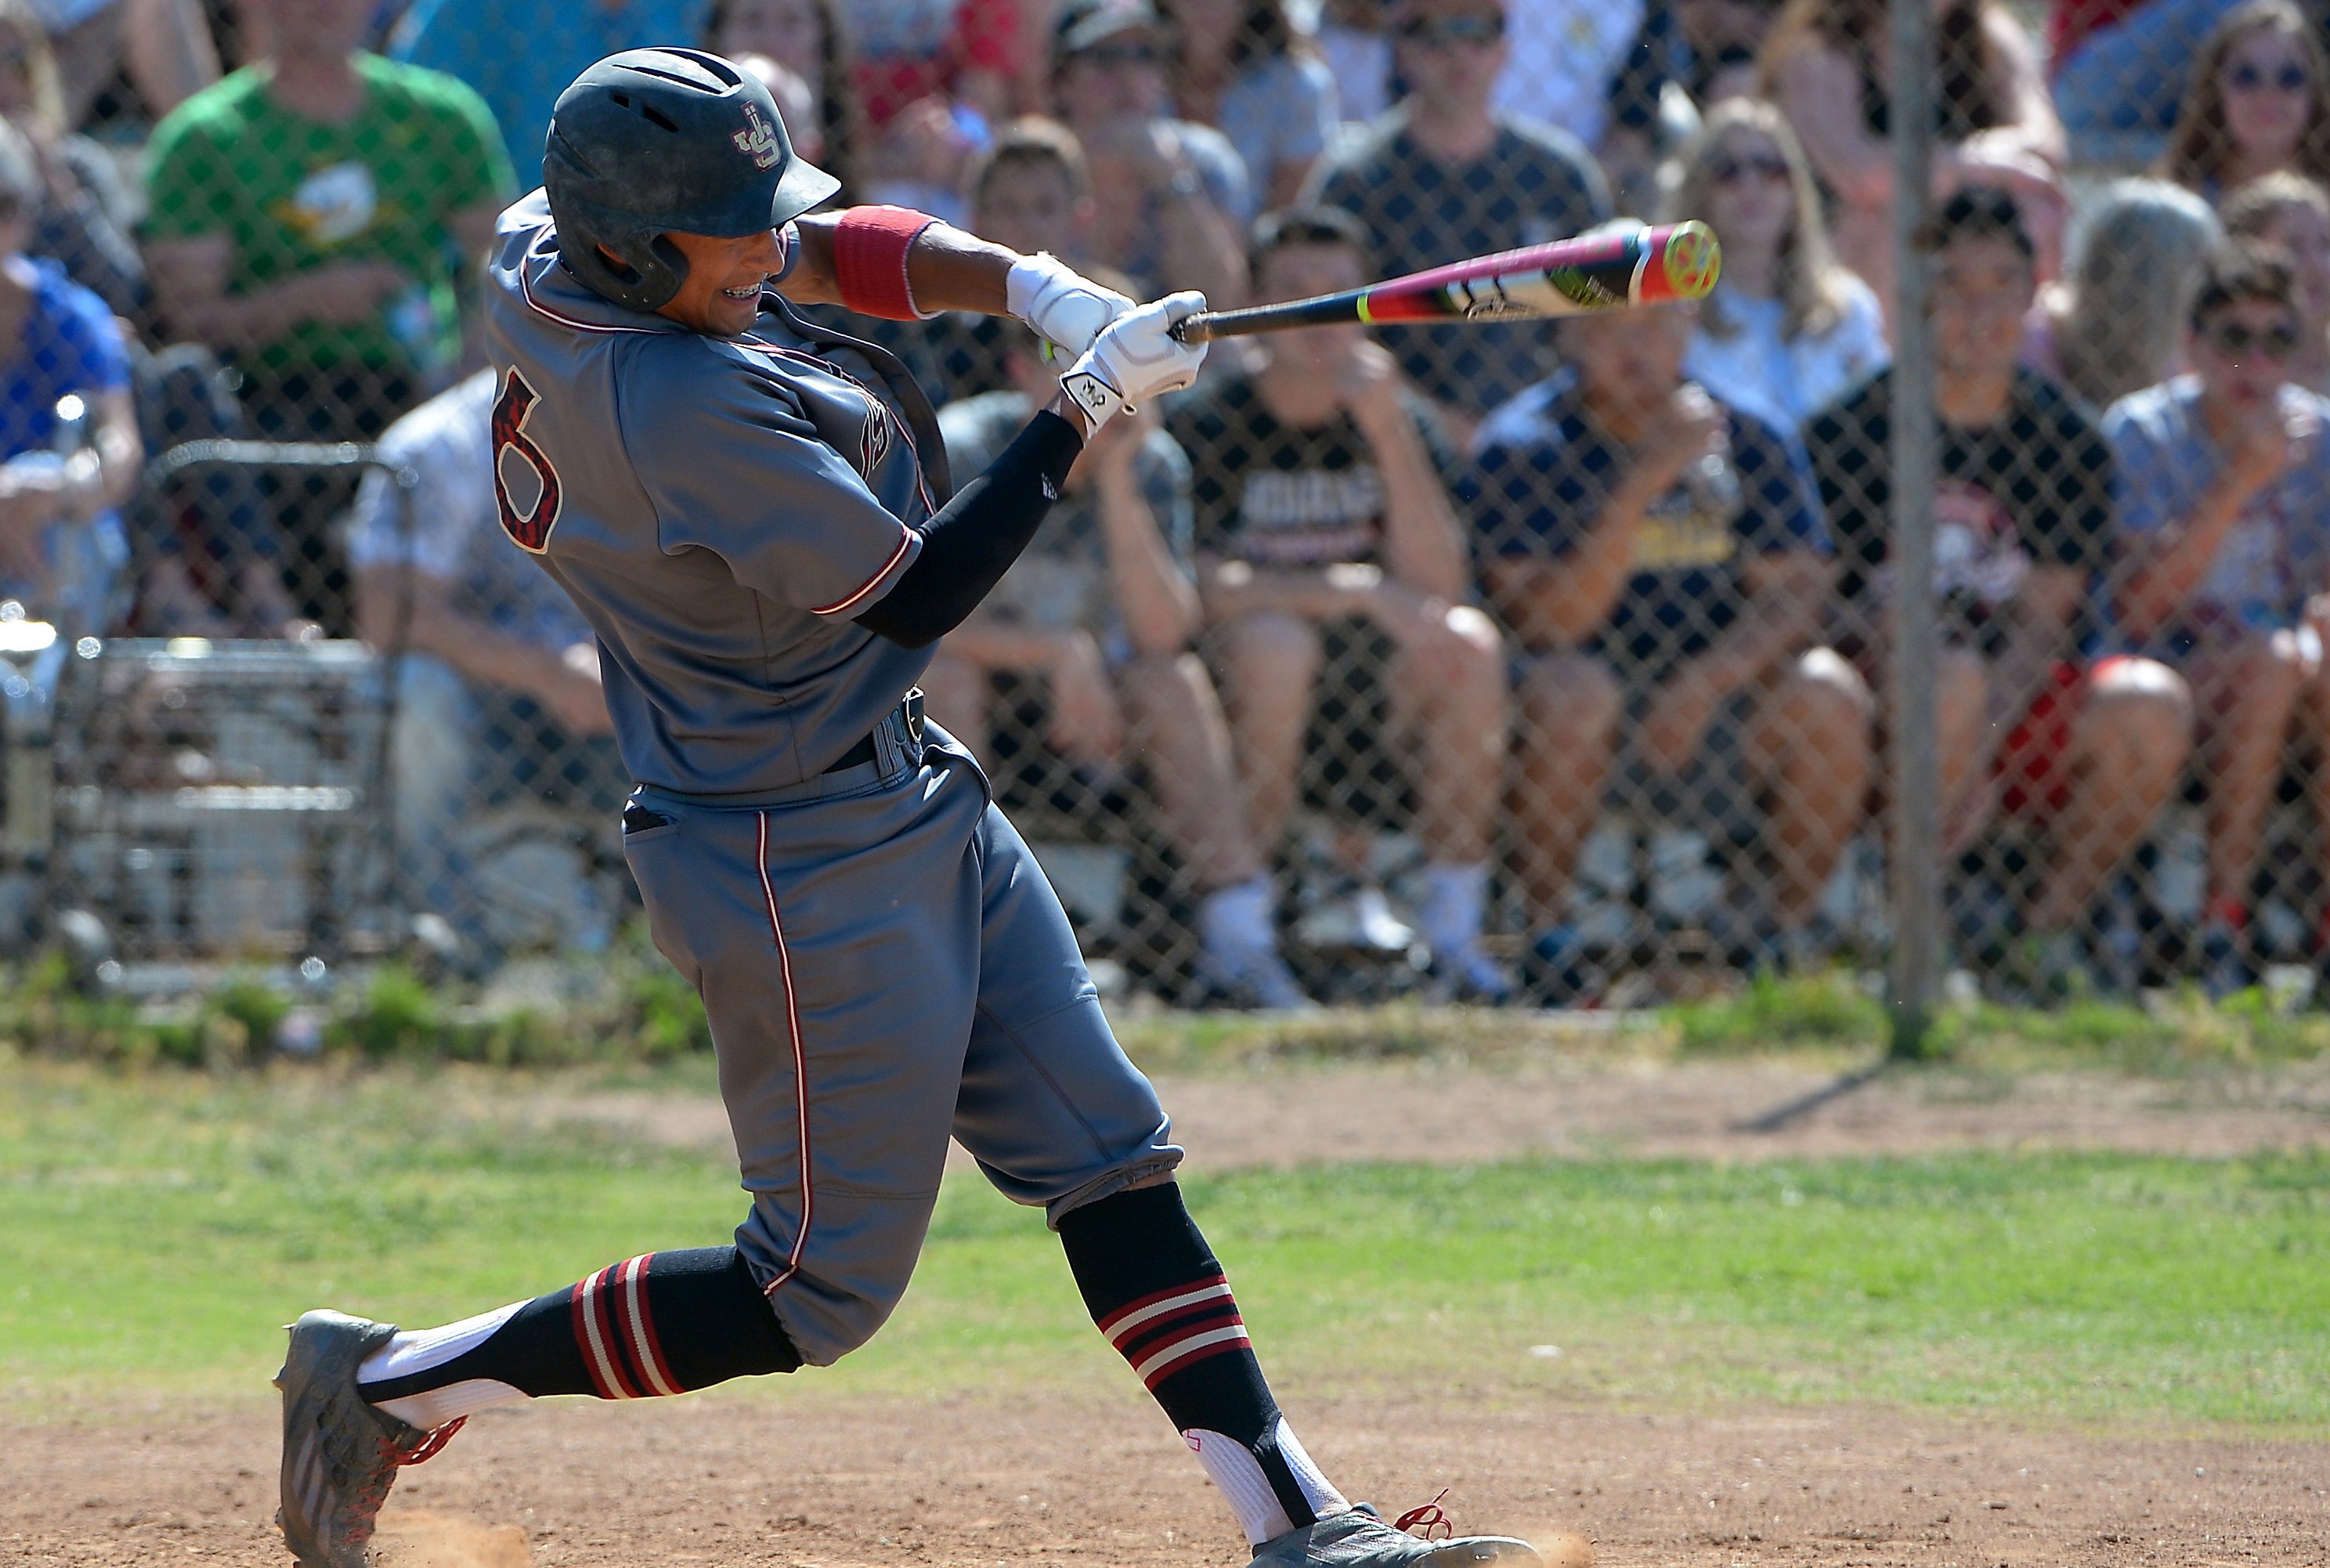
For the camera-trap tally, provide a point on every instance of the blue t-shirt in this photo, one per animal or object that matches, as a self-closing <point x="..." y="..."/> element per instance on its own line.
<point x="69" y="345"/>
<point x="2276" y="552"/>
<point x="1542" y="468"/>
<point x="519" y="55"/>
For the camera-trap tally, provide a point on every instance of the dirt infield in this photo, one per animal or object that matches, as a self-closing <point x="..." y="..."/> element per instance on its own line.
<point x="1717" y="1110"/>
<point x="811" y="1483"/>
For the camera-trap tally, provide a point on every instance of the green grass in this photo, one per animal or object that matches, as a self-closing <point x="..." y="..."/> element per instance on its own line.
<point x="160" y="1226"/>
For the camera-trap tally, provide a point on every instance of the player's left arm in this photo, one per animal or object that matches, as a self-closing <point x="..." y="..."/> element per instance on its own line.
<point x="902" y="265"/>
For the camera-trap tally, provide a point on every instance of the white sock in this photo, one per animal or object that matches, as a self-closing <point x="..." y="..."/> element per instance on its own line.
<point x="1236" y="921"/>
<point x="410" y="1354"/>
<point x="440" y="1407"/>
<point x="1456" y="898"/>
<point x="1232" y="1467"/>
<point x="419" y="1349"/>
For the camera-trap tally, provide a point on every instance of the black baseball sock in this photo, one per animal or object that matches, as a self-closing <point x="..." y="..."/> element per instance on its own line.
<point x="664" y="1323"/>
<point x="1152" y="1285"/>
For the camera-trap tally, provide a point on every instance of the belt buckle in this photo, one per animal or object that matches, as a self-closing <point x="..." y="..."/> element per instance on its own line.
<point x="913" y="709"/>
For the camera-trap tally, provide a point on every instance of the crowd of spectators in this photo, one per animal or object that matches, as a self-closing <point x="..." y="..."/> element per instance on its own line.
<point x="1513" y="594"/>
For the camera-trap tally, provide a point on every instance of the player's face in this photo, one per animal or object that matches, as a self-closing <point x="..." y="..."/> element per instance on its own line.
<point x="1982" y="290"/>
<point x="2242" y="351"/>
<point x="722" y="295"/>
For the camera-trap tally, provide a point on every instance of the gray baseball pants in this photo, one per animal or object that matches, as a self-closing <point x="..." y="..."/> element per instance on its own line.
<point x="885" y="966"/>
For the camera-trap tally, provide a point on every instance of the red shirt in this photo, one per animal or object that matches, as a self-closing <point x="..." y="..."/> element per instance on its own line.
<point x="913" y="63"/>
<point x="2071" y="20"/>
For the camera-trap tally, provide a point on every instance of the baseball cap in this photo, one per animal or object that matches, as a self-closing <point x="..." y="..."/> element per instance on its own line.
<point x="1085" y="24"/>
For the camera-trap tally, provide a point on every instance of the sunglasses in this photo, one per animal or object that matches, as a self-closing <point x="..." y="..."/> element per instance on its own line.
<point x="2291" y="78"/>
<point x="2232" y="340"/>
<point x="1108" y="54"/>
<point x="1447" y="32"/>
<point x="1732" y="171"/>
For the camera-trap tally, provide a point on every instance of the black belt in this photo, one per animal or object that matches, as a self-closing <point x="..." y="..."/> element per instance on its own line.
<point x="856" y="756"/>
<point x="909" y="713"/>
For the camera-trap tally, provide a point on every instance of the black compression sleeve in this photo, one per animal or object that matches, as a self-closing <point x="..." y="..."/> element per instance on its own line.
<point x="972" y="541"/>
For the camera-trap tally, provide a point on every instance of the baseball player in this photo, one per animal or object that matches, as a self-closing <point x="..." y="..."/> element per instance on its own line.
<point x="756" y="521"/>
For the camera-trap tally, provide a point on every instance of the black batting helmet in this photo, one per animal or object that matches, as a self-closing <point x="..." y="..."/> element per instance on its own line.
<point x="651" y="141"/>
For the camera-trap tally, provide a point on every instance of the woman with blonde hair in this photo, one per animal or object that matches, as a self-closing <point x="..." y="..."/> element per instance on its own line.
<point x="2118" y="326"/>
<point x="1826" y="64"/>
<point x="1787" y="329"/>
<point x="2258" y="101"/>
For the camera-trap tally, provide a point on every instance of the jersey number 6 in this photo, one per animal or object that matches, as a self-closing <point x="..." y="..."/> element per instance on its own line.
<point x="529" y="524"/>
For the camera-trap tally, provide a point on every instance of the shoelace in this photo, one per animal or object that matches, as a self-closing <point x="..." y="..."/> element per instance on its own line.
<point x="1423" y="1521"/>
<point x="427" y="1448"/>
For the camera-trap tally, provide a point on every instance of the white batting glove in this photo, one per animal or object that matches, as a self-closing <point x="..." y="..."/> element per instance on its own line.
<point x="1064" y="307"/>
<point x="1136" y="359"/>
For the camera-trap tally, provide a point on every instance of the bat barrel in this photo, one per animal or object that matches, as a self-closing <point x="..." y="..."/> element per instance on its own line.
<point x="1648" y="266"/>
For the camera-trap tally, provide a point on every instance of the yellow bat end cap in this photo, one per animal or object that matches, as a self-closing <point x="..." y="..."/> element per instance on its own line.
<point x="1693" y="260"/>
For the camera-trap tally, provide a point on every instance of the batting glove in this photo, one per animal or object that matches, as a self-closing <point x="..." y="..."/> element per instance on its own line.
<point x="1135" y="359"/>
<point x="1064" y="307"/>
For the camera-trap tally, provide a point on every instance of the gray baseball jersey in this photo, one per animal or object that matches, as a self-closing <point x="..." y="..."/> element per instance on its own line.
<point x="719" y="509"/>
<point x="883" y="964"/>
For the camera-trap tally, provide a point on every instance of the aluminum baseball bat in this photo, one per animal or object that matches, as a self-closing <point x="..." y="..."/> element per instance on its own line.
<point x="1610" y="271"/>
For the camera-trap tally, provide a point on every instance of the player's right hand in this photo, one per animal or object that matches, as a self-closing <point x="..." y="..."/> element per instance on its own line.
<point x="1135" y="359"/>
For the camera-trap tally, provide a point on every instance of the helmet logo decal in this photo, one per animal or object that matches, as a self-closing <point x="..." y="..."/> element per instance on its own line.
<point x="529" y="524"/>
<point x="758" y="140"/>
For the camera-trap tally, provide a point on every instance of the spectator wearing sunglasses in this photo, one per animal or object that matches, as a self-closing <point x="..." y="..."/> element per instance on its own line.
<point x="2224" y="508"/>
<point x="2258" y="103"/>
<point x="2293" y="211"/>
<point x="1171" y="199"/>
<point x="1787" y="330"/>
<point x="1443" y="176"/>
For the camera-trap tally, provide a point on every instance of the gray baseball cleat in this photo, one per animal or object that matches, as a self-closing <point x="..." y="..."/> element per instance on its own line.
<point x="340" y="1454"/>
<point x="1359" y="1538"/>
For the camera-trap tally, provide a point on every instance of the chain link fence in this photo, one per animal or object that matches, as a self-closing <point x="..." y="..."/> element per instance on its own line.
<point x="1566" y="663"/>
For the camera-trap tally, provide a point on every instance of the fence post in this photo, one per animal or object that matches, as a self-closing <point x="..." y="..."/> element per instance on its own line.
<point x="1917" y="805"/>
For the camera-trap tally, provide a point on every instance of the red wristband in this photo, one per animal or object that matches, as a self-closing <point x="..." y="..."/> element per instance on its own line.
<point x="869" y="261"/>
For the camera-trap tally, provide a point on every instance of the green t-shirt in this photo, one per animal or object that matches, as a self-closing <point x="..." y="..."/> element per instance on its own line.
<point x="292" y="194"/>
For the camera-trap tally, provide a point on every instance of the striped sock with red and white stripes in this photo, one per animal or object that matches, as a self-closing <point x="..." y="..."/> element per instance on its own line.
<point x="1153" y="1287"/>
<point x="660" y="1324"/>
